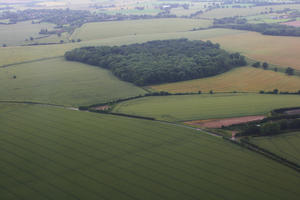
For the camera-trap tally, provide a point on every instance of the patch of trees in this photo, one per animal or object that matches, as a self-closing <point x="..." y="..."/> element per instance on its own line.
<point x="271" y="128"/>
<point x="230" y="20"/>
<point x="263" y="28"/>
<point x="158" y="62"/>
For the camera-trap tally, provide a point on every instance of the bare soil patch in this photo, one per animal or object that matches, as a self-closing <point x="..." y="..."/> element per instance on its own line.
<point x="294" y="23"/>
<point x="218" y="123"/>
<point x="292" y="112"/>
<point x="102" y="108"/>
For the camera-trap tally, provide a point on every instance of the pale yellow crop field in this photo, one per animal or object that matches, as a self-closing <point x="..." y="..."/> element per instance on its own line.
<point x="244" y="79"/>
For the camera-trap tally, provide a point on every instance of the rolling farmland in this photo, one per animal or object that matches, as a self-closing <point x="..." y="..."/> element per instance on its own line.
<point x="243" y="79"/>
<point x="231" y="12"/>
<point x="102" y="30"/>
<point x="49" y="155"/>
<point x="285" y="145"/>
<point x="10" y="55"/>
<point x="279" y="50"/>
<point x="15" y="34"/>
<point x="57" y="81"/>
<point x="197" y="107"/>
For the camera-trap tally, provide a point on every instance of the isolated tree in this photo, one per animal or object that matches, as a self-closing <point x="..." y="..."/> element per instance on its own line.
<point x="79" y="40"/>
<point x="211" y="92"/>
<point x="290" y="71"/>
<point x="275" y="69"/>
<point x="257" y="64"/>
<point x="4" y="45"/>
<point x="265" y="65"/>
<point x="59" y="34"/>
<point x="14" y="76"/>
<point x="275" y="91"/>
<point x="61" y="41"/>
<point x="199" y="92"/>
<point x="73" y="40"/>
<point x="31" y="38"/>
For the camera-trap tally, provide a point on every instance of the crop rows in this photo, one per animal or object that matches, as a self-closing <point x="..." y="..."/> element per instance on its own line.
<point x="283" y="145"/>
<point x="83" y="155"/>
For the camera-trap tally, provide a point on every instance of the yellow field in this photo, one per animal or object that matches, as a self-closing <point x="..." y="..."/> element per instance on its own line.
<point x="279" y="50"/>
<point x="244" y="79"/>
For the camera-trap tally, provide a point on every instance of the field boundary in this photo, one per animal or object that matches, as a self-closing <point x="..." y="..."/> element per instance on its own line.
<point x="30" y="61"/>
<point x="38" y="103"/>
<point x="242" y="143"/>
<point x="266" y="153"/>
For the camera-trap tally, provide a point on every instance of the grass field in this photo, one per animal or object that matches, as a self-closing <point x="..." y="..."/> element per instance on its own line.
<point x="285" y="145"/>
<point x="279" y="50"/>
<point x="57" y="81"/>
<point x="102" y="30"/>
<point x="16" y="34"/>
<point x="243" y="79"/>
<point x="197" y="107"/>
<point x="51" y="153"/>
<point x="10" y="55"/>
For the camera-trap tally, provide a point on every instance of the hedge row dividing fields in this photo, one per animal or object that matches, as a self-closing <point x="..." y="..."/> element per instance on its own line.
<point x="52" y="153"/>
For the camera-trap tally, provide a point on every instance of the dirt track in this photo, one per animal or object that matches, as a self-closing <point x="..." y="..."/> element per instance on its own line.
<point x="218" y="123"/>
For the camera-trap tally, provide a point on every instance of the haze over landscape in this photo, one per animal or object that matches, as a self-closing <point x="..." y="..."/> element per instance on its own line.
<point x="149" y="99"/>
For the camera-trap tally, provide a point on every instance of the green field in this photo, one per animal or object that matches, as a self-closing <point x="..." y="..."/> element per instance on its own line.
<point x="51" y="153"/>
<point x="102" y="30"/>
<point x="57" y="81"/>
<point x="10" y="55"/>
<point x="285" y="145"/>
<point x="197" y="107"/>
<point x="16" y="34"/>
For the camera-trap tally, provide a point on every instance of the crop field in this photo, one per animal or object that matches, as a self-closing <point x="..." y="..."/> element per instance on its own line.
<point x="16" y="34"/>
<point x="57" y="81"/>
<point x="102" y="30"/>
<point x="285" y="145"/>
<point x="197" y="107"/>
<point x="279" y="50"/>
<point x="231" y="12"/>
<point x="18" y="54"/>
<point x="46" y="154"/>
<point x="243" y="79"/>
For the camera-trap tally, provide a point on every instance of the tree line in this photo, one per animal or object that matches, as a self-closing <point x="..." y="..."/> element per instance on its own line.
<point x="263" y="28"/>
<point x="160" y="61"/>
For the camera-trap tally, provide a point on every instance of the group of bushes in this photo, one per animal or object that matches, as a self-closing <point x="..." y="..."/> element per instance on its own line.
<point x="276" y="91"/>
<point x="271" y="127"/>
<point x="263" y="28"/>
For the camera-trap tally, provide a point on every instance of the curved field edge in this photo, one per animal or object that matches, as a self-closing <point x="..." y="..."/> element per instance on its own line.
<point x="277" y="50"/>
<point x="56" y="81"/>
<point x="48" y="154"/>
<point x="104" y="30"/>
<point x="244" y="79"/>
<point x="196" y="107"/>
<point x="285" y="145"/>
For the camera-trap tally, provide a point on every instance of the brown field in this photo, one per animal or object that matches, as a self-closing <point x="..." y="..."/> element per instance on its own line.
<point x="278" y="50"/>
<point x="218" y="123"/>
<point x="293" y="112"/>
<point x="244" y="79"/>
<point x="294" y="23"/>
